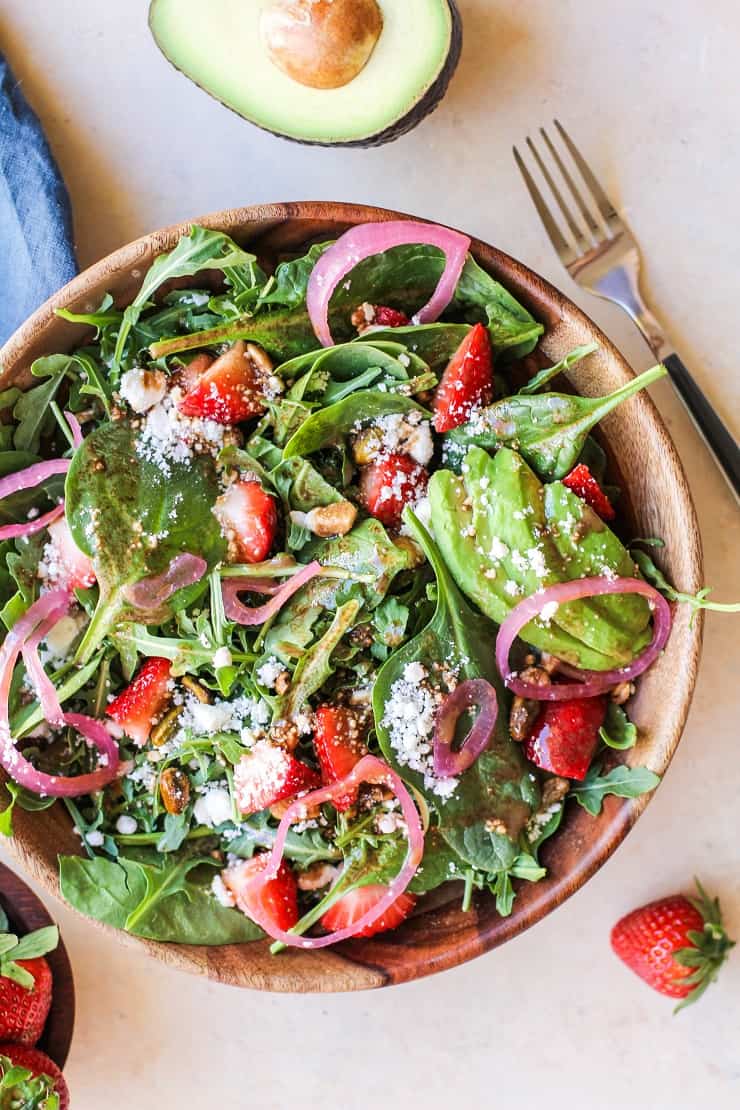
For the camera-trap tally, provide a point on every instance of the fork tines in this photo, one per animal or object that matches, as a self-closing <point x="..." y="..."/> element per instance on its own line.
<point x="584" y="229"/>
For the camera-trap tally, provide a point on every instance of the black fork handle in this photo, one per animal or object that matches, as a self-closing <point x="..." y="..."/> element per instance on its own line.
<point x="715" y="433"/>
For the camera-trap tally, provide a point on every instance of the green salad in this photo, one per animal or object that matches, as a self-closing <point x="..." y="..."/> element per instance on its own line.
<point x="315" y="600"/>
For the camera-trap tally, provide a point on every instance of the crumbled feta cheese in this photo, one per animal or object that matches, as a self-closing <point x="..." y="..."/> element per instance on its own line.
<point x="143" y="389"/>
<point x="499" y="550"/>
<point x="222" y="658"/>
<point x="126" y="825"/>
<point x="221" y="892"/>
<point x="61" y="637"/>
<point x="213" y="807"/>
<point x="548" y="611"/>
<point x="95" y="838"/>
<point x="209" y="719"/>
<point x="268" y="672"/>
<point x="409" y="716"/>
<point x="167" y="436"/>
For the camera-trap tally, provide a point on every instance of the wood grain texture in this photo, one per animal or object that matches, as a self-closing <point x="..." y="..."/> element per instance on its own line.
<point x="26" y="912"/>
<point x="658" y="502"/>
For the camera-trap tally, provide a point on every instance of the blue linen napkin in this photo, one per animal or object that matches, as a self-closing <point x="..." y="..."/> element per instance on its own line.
<point x="36" y="251"/>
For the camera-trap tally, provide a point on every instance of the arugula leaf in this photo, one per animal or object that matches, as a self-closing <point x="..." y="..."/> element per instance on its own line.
<point x="549" y="429"/>
<point x="618" y="731"/>
<point x="134" y="529"/>
<point x="161" y="903"/>
<point x="622" y="781"/>
<point x="200" y="250"/>
<point x="535" y="384"/>
<point x="504" y="536"/>
<point x="302" y="848"/>
<point x="32" y="413"/>
<point x="696" y="601"/>
<point x="315" y="665"/>
<point x="330" y="425"/>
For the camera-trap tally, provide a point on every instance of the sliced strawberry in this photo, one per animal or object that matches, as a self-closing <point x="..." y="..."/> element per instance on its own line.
<point x="38" y="1063"/>
<point x="269" y="774"/>
<point x="338" y="747"/>
<point x="467" y="382"/>
<point x="66" y="564"/>
<point x="358" y="902"/>
<point x="582" y="482"/>
<point x="187" y="376"/>
<point x="565" y="736"/>
<point x="388" y="484"/>
<point x="140" y="705"/>
<point x="389" y="317"/>
<point x="278" y="898"/>
<point x="228" y="391"/>
<point x="249" y="519"/>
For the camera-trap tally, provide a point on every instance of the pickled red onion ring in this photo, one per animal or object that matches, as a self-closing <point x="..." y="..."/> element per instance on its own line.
<point x="48" y="697"/>
<point x="369" y="769"/>
<point x="74" y="424"/>
<point x="236" y="611"/>
<point x="30" y="527"/>
<point x="184" y="570"/>
<point x="472" y="692"/>
<point x="32" y="475"/>
<point x="33" y="620"/>
<point x="366" y="240"/>
<point x="592" y="682"/>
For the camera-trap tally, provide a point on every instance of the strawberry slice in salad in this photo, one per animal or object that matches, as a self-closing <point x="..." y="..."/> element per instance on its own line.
<point x="138" y="708"/>
<point x="269" y="774"/>
<point x="583" y="483"/>
<point x="467" y="383"/>
<point x="565" y="736"/>
<point x="338" y="744"/>
<point x="388" y="484"/>
<point x="354" y="905"/>
<point x="64" y="563"/>
<point x="249" y="519"/>
<point x="229" y="391"/>
<point x="277" y="898"/>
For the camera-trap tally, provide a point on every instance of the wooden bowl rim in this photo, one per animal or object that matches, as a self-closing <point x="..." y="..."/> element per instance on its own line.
<point x="400" y="956"/>
<point x="27" y="912"/>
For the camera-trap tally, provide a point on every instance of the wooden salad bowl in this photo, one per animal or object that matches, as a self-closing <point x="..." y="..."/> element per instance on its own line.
<point x="26" y="912"/>
<point x="657" y="502"/>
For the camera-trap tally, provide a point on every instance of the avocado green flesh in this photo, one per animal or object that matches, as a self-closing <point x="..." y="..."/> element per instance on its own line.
<point x="218" y="46"/>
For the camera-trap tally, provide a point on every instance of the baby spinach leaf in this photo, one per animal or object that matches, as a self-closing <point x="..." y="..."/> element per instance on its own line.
<point x="283" y="333"/>
<point x="434" y="344"/>
<point x="549" y="429"/>
<point x="459" y="639"/>
<point x="440" y="864"/>
<point x="504" y="536"/>
<point x="482" y="299"/>
<point x="330" y="425"/>
<point x="158" y="902"/>
<point x="618" y="731"/>
<point x="200" y="250"/>
<point x="134" y="529"/>
<point x="302" y="848"/>
<point x="624" y="782"/>
<point x="535" y="384"/>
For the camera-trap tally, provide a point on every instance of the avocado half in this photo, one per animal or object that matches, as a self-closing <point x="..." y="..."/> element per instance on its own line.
<point x="218" y="45"/>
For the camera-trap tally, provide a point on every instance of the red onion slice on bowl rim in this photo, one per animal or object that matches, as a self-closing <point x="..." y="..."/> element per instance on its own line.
<point x="30" y="628"/>
<point x="366" y="240"/>
<point x="236" y="610"/>
<point x="369" y="769"/>
<point x="592" y="682"/>
<point x="472" y="692"/>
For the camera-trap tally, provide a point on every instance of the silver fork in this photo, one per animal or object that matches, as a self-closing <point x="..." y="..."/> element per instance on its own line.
<point x="606" y="260"/>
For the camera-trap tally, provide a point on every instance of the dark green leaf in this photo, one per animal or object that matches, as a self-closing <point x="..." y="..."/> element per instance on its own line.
<point x="618" y="731"/>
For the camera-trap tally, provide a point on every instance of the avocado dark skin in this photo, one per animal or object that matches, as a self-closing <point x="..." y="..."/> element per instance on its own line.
<point x="411" y="119"/>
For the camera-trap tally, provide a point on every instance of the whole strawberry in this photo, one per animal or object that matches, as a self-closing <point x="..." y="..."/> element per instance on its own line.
<point x="25" y="983"/>
<point x="31" y="1080"/>
<point x="677" y="944"/>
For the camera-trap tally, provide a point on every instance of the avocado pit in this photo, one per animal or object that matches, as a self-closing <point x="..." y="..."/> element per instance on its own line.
<point x="323" y="44"/>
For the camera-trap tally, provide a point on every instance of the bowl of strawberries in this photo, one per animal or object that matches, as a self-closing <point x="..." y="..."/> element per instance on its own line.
<point x="37" y="1002"/>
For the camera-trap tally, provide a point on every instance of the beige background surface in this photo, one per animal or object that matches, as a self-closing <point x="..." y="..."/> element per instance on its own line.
<point x="651" y="92"/>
